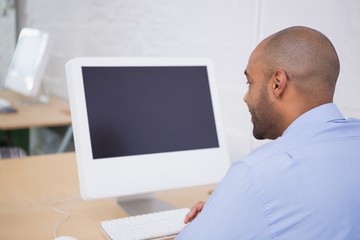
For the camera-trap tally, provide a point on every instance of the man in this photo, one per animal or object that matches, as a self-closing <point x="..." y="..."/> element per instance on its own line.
<point x="306" y="183"/>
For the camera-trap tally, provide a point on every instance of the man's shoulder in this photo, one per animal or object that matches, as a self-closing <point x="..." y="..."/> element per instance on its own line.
<point x="264" y="153"/>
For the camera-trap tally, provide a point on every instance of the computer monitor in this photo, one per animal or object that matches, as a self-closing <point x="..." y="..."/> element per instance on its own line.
<point x="28" y="63"/>
<point x="143" y="125"/>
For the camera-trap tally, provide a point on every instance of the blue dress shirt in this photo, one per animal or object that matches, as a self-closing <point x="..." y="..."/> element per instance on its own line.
<point x="303" y="185"/>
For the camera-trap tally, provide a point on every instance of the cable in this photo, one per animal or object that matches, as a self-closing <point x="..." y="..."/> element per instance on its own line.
<point x="65" y="213"/>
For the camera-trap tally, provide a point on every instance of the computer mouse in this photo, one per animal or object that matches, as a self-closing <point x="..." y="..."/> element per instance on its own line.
<point x="65" y="238"/>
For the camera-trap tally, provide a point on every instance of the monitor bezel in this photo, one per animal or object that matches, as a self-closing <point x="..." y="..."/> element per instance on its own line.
<point x="103" y="178"/>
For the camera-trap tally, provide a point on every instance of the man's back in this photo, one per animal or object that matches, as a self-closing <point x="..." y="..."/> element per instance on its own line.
<point x="313" y="190"/>
<point x="304" y="185"/>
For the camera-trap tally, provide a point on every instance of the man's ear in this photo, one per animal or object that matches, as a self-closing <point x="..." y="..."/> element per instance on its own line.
<point x="279" y="82"/>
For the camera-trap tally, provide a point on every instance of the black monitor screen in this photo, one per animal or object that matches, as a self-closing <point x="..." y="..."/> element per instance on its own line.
<point x="144" y="110"/>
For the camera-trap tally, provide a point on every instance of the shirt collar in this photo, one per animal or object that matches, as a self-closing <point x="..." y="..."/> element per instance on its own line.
<point x="324" y="113"/>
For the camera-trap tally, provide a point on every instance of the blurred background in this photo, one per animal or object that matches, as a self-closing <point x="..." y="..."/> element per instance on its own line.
<point x="226" y="31"/>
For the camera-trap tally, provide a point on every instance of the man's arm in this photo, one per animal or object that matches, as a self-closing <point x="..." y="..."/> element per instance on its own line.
<point x="233" y="211"/>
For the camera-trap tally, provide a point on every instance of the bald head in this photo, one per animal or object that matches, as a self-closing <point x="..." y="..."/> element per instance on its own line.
<point x="308" y="57"/>
<point x="289" y="73"/>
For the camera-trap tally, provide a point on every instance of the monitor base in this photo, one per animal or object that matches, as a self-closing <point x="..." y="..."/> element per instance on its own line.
<point x="143" y="205"/>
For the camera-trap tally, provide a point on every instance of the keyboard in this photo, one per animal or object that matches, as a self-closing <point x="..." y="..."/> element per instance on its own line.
<point x="158" y="225"/>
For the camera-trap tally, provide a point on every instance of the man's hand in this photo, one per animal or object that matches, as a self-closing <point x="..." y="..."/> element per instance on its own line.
<point x="195" y="210"/>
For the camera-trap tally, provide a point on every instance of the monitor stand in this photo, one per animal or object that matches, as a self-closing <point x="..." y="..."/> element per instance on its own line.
<point x="143" y="204"/>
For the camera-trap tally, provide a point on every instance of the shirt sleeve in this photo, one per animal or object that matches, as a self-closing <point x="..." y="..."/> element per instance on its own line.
<point x="234" y="211"/>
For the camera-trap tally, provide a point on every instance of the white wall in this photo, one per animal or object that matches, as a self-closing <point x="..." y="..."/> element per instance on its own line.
<point x="7" y="38"/>
<point x="224" y="30"/>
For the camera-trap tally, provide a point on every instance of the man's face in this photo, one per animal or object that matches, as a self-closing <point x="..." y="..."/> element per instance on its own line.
<point x="262" y="110"/>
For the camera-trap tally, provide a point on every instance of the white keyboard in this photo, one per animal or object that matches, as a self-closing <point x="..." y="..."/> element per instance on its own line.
<point x="158" y="225"/>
